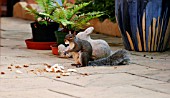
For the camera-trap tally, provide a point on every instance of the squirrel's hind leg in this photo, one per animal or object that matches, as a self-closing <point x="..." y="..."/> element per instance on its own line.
<point x="76" y="58"/>
<point x="84" y="59"/>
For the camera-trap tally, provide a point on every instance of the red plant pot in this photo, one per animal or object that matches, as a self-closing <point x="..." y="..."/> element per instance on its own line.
<point x="38" y="45"/>
<point x="54" y="49"/>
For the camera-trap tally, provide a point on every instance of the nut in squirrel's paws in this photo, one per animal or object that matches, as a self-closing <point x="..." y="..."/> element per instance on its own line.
<point x="61" y="51"/>
<point x="64" y="55"/>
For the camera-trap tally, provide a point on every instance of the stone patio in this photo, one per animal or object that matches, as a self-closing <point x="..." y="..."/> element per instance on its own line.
<point x="147" y="76"/>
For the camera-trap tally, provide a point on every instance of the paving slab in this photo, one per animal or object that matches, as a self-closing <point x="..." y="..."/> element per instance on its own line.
<point x="15" y="24"/>
<point x="161" y="87"/>
<point x="147" y="75"/>
<point x="33" y="93"/>
<point x="162" y="75"/>
<point x="158" y="60"/>
<point x="133" y="92"/>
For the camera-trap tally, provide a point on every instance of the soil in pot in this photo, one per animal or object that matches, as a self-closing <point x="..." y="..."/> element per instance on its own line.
<point x="43" y="32"/>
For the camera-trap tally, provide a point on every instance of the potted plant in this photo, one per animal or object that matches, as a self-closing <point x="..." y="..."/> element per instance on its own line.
<point x="43" y="28"/>
<point x="70" y="19"/>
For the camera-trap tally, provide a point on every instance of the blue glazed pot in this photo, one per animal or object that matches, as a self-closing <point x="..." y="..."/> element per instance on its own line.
<point x="144" y="24"/>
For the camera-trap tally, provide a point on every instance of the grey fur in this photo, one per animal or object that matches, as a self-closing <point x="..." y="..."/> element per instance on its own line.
<point x="117" y="58"/>
<point x="82" y="47"/>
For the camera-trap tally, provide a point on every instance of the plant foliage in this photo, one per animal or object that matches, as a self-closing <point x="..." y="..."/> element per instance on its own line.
<point x="70" y="18"/>
<point x="68" y="15"/>
<point x="47" y="8"/>
<point x="106" y="6"/>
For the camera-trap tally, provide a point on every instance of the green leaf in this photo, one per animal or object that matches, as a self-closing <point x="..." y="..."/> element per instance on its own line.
<point x="43" y="22"/>
<point x="47" y="6"/>
<point x="65" y="22"/>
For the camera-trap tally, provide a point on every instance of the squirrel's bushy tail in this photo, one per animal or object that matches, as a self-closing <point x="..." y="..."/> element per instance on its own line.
<point x="119" y="57"/>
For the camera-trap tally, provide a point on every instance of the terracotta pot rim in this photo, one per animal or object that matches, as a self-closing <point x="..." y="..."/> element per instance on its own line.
<point x="31" y="41"/>
<point x="54" y="45"/>
<point x="38" y="45"/>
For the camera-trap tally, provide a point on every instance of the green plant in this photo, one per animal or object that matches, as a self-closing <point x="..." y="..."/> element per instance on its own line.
<point x="106" y="6"/>
<point x="46" y="7"/>
<point x="70" y="18"/>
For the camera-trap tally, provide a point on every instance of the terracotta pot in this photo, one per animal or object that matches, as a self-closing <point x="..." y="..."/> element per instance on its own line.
<point x="106" y="27"/>
<point x="54" y="49"/>
<point x="38" y="45"/>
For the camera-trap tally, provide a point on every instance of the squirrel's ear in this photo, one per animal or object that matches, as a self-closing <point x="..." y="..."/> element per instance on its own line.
<point x="74" y="33"/>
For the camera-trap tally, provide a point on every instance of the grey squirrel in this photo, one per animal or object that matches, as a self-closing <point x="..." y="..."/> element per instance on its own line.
<point x="100" y="47"/>
<point x="81" y="50"/>
<point x="83" y="53"/>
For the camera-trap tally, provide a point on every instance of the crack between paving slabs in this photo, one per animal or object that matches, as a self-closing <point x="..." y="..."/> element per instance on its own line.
<point x="168" y="81"/>
<point x="78" y="84"/>
<point x="64" y="82"/>
<point x="145" y="66"/>
<point x="93" y="80"/>
<point x="81" y="74"/>
<point x="62" y="93"/>
<point x="144" y="76"/>
<point x="149" y="66"/>
<point x="23" y="77"/>
<point x="99" y="77"/>
<point x="150" y="89"/>
<point x="2" y="30"/>
<point x="122" y="72"/>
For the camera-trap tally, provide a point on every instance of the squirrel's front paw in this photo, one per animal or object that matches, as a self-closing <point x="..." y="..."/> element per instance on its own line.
<point x="65" y="52"/>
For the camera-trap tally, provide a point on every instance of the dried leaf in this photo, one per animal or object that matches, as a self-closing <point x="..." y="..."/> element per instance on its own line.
<point x="47" y="65"/>
<point x="115" y="67"/>
<point x="32" y="70"/>
<point x="25" y="66"/>
<point x="58" y="70"/>
<point x="2" y="73"/>
<point x="58" y="76"/>
<point x="18" y="66"/>
<point x="85" y="74"/>
<point x="9" y="67"/>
